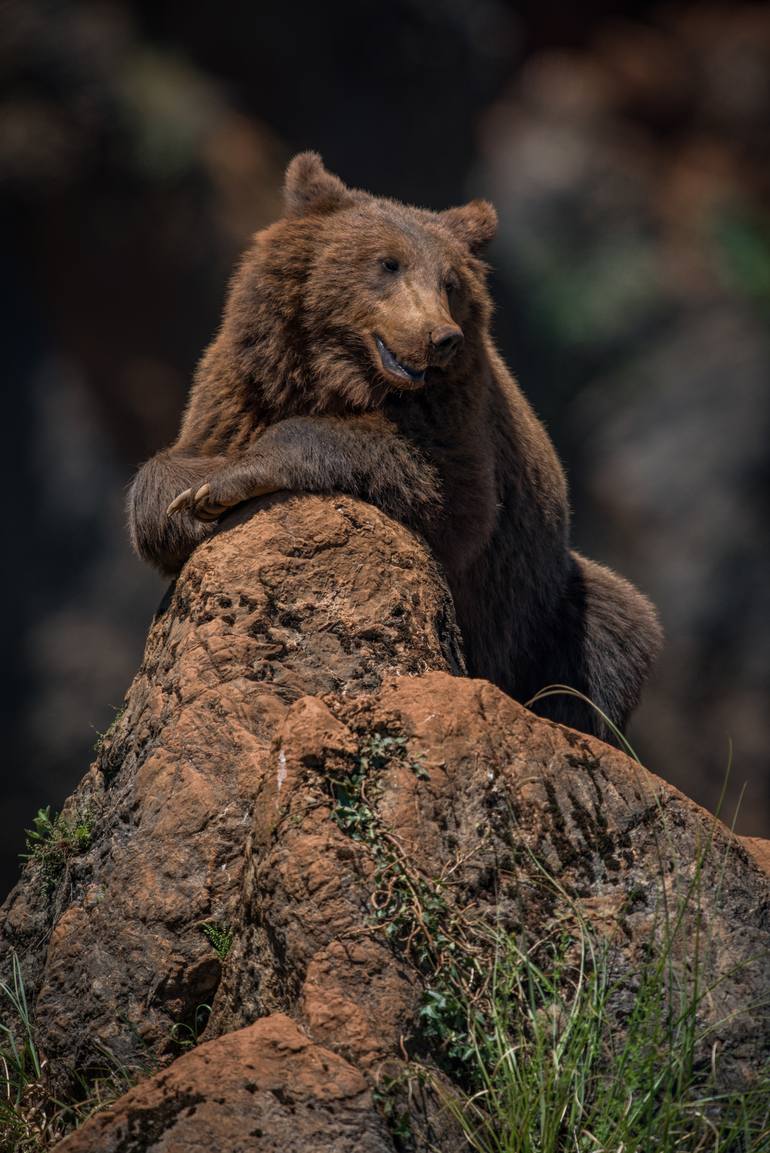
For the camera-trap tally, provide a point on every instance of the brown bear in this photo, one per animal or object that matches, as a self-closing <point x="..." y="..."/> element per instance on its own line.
<point x="355" y="356"/>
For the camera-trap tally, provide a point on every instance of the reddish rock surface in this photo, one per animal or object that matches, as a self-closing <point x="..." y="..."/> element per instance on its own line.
<point x="265" y="1087"/>
<point x="484" y="792"/>
<point x="759" y="847"/>
<point x="308" y="596"/>
<point x="294" y="739"/>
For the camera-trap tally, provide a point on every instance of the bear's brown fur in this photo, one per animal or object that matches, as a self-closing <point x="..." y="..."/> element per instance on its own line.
<point x="355" y="355"/>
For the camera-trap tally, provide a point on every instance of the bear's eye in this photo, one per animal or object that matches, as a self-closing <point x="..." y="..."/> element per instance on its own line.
<point x="390" y="264"/>
<point x="450" y="287"/>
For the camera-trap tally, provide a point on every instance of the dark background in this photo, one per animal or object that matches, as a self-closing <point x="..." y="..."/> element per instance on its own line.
<point x="627" y="149"/>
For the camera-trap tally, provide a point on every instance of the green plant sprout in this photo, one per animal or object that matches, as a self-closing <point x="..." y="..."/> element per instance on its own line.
<point x="53" y="840"/>
<point x="220" y="938"/>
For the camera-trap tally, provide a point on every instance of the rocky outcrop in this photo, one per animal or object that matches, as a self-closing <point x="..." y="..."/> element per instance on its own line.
<point x="302" y="812"/>
<point x="311" y="596"/>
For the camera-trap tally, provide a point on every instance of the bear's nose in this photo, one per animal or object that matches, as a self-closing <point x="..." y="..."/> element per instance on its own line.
<point x="446" y="340"/>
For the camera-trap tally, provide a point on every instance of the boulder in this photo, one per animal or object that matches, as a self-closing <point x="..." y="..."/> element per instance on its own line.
<point x="310" y="596"/>
<point x="305" y="816"/>
<point x="264" y="1087"/>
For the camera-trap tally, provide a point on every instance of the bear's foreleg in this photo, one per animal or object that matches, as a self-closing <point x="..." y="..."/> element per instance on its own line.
<point x="361" y="456"/>
<point x="167" y="541"/>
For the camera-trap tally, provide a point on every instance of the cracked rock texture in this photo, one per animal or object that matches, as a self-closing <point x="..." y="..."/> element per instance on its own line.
<point x="304" y="629"/>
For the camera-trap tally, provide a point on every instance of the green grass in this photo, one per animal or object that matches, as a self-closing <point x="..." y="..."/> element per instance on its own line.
<point x="106" y="735"/>
<point x="20" y="1068"/>
<point x="555" y="1073"/>
<point x="186" y="1035"/>
<point x="741" y="243"/>
<point x="32" y="1118"/>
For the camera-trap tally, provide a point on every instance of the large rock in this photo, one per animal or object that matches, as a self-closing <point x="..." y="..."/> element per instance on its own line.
<point x="297" y="764"/>
<point x="310" y="596"/>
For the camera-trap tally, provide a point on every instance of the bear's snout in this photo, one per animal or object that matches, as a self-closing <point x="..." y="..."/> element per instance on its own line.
<point x="445" y="341"/>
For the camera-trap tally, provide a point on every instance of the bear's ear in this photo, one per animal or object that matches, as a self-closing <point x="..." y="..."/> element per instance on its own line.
<point x="308" y="187"/>
<point x="475" y="223"/>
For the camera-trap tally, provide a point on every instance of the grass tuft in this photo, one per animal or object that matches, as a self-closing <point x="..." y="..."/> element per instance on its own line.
<point x="53" y="840"/>
<point x="32" y="1119"/>
<point x="557" y="1074"/>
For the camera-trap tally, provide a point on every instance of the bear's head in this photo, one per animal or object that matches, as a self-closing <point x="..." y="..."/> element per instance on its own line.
<point x="351" y="297"/>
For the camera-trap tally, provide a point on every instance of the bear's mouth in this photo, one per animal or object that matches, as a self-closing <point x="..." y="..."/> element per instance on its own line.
<point x="395" y="367"/>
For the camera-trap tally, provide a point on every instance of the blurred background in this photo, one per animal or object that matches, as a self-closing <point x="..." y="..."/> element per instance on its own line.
<point x="627" y="148"/>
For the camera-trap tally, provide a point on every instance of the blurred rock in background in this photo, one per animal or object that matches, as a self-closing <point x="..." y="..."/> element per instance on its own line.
<point x="632" y="177"/>
<point x="129" y="183"/>
<point x="141" y="144"/>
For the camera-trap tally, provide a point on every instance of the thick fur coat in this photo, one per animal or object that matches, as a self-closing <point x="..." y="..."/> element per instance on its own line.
<point x="355" y="355"/>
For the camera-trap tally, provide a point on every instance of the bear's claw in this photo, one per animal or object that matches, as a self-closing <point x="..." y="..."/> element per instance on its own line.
<point x="205" y="509"/>
<point x="198" y="503"/>
<point x="179" y="502"/>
